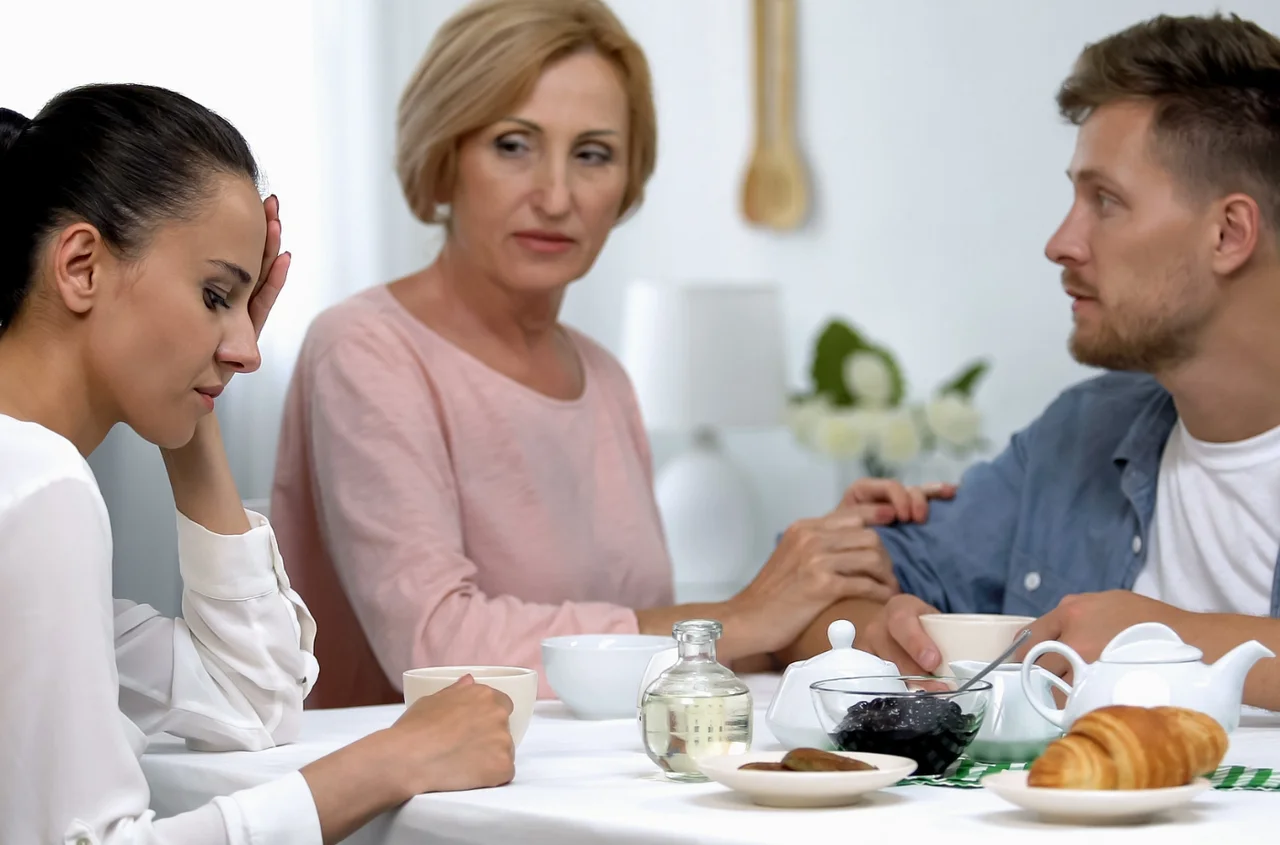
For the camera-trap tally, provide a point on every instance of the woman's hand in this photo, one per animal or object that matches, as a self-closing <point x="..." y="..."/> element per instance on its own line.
<point x="881" y="501"/>
<point x="275" y="268"/>
<point x="457" y="739"/>
<point x="818" y="562"/>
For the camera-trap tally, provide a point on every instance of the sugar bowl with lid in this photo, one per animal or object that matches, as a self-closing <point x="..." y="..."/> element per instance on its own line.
<point x="791" y="716"/>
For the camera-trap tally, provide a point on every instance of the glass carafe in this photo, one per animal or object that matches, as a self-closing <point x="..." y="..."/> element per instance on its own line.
<point x="695" y="709"/>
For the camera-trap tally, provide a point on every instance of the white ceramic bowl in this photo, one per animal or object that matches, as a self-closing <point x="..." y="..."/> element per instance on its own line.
<point x="597" y="676"/>
<point x="520" y="685"/>
<point x="972" y="636"/>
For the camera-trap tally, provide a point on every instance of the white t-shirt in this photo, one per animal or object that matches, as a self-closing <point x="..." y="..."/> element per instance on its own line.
<point x="1213" y="543"/>
<point x="87" y="678"/>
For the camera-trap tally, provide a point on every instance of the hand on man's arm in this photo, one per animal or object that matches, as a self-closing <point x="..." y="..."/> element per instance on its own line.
<point x="948" y="547"/>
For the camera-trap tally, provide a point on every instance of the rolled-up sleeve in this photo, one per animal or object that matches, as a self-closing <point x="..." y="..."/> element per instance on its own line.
<point x="233" y="672"/>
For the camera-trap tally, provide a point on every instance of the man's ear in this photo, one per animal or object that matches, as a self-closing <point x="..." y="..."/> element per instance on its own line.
<point x="78" y="255"/>
<point x="1239" y="227"/>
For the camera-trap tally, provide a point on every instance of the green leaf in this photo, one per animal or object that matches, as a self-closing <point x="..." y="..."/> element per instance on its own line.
<point x="838" y="341"/>
<point x="965" y="383"/>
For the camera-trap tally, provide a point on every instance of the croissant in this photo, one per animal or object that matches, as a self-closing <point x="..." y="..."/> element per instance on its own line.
<point x="1124" y="747"/>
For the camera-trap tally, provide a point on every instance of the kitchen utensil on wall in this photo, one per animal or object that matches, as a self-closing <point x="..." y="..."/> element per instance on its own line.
<point x="774" y="193"/>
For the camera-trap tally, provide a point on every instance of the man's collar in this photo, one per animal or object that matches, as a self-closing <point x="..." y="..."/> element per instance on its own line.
<point x="1143" y="445"/>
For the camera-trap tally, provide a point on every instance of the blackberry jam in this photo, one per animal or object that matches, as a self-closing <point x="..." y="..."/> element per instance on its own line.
<point x="932" y="731"/>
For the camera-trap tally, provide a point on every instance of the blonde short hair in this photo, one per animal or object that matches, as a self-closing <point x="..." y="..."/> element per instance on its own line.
<point x="484" y="62"/>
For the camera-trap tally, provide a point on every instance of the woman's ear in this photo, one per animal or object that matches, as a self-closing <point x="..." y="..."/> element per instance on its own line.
<point x="78" y="254"/>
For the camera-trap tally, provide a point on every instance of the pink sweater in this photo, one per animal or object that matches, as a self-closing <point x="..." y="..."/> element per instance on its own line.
<point x="435" y="512"/>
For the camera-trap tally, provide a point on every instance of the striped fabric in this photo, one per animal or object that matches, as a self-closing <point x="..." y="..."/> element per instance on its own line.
<point x="968" y="774"/>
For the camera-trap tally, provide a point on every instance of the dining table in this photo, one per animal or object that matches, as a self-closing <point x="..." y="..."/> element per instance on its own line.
<point x="583" y="781"/>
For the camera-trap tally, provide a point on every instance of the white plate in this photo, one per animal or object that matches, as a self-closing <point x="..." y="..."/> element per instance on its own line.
<point x="1091" y="805"/>
<point x="805" y="789"/>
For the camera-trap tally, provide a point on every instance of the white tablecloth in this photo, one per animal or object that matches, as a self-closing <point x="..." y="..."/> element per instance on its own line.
<point x="590" y="782"/>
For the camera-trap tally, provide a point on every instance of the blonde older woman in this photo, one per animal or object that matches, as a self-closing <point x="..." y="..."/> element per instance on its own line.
<point x="460" y="474"/>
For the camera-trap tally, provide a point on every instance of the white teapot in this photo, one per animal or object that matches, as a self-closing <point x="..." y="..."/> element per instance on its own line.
<point x="791" y="717"/>
<point x="1148" y="665"/>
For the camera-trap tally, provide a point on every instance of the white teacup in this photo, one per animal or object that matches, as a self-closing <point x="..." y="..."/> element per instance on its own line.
<point x="520" y="685"/>
<point x="1012" y="731"/>
<point x="972" y="636"/>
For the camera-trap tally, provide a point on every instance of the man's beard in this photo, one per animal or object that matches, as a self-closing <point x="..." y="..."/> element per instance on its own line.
<point x="1146" y="343"/>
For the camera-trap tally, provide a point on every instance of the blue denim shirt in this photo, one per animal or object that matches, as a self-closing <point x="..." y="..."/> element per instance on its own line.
<point x="1066" y="508"/>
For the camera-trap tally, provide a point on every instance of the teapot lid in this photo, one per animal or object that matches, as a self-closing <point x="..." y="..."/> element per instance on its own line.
<point x="1149" y="642"/>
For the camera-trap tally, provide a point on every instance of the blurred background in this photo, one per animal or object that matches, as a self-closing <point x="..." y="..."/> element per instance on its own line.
<point x="928" y="127"/>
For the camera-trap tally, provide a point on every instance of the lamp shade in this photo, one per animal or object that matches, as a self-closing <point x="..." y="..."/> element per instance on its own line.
<point x="705" y="354"/>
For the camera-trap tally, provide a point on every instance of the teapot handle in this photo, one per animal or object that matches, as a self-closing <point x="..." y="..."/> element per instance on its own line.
<point x="1054" y="680"/>
<point x="1051" y="714"/>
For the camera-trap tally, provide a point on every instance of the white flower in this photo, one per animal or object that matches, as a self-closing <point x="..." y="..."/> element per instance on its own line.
<point x="867" y="377"/>
<point x="842" y="434"/>
<point x="954" y="420"/>
<point x="900" y="440"/>
<point x="803" y="417"/>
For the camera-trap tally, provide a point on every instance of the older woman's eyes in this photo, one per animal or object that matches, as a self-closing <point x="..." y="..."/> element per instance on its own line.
<point x="596" y="154"/>
<point x="510" y="145"/>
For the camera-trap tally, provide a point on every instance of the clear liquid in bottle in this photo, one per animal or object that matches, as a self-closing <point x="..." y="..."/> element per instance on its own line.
<point x="680" y="730"/>
<point x="697" y="708"/>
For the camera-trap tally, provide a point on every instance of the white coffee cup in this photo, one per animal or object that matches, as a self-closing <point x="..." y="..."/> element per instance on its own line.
<point x="520" y="685"/>
<point x="972" y="636"/>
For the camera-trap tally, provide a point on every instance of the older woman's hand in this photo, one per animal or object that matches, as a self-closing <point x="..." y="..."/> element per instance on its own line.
<point x="881" y="501"/>
<point x="817" y="562"/>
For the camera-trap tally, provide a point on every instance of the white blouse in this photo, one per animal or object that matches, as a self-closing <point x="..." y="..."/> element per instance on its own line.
<point x="85" y="679"/>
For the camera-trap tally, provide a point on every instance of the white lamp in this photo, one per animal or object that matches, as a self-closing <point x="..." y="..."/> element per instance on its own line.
<point x="705" y="356"/>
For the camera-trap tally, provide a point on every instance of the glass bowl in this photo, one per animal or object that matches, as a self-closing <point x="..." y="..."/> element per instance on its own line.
<point x="922" y="718"/>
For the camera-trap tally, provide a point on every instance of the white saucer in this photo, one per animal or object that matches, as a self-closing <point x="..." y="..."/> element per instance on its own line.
<point x="805" y="789"/>
<point x="1090" y="805"/>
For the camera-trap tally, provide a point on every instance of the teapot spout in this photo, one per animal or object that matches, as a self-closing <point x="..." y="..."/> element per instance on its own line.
<point x="1233" y="667"/>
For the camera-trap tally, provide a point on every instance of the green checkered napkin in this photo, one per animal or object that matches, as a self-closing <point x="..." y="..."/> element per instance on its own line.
<point x="968" y="774"/>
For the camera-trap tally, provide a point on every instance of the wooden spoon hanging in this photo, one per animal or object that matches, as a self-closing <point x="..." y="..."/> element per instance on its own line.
<point x="774" y="192"/>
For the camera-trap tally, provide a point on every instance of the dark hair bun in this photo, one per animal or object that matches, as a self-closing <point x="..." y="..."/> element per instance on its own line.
<point x="11" y="125"/>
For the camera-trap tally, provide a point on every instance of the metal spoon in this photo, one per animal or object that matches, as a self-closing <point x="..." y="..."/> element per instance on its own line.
<point x="1017" y="641"/>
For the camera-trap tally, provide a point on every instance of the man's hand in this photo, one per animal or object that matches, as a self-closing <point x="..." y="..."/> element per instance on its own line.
<point x="1087" y="622"/>
<point x="896" y="635"/>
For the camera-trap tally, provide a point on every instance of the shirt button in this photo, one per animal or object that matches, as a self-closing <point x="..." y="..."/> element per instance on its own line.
<point x="1136" y="545"/>
<point x="1031" y="582"/>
